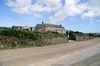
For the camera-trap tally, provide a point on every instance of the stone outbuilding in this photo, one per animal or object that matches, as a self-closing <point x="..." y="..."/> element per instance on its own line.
<point x="28" y="28"/>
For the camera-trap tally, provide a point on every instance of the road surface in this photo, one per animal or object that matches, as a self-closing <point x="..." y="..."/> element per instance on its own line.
<point x="44" y="56"/>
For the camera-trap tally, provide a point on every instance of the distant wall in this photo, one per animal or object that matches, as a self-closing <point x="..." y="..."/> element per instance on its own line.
<point x="81" y="38"/>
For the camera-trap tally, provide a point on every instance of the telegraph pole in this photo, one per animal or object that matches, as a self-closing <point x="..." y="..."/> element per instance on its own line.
<point x="67" y="34"/>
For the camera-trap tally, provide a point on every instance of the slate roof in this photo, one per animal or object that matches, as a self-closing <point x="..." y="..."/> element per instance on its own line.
<point x="17" y="26"/>
<point x="50" y="25"/>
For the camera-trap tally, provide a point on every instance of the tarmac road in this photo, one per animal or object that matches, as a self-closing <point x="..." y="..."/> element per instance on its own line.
<point x="44" y="56"/>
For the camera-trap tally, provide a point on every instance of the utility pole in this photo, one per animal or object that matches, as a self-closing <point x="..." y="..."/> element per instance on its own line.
<point x="67" y="34"/>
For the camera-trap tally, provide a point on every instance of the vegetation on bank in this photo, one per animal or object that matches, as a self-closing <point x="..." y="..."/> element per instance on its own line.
<point x="74" y="35"/>
<point x="10" y="38"/>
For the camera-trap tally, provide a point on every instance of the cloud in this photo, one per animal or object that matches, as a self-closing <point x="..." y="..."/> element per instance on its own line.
<point x="37" y="15"/>
<point x="54" y="4"/>
<point x="19" y="6"/>
<point x="23" y="10"/>
<point x="89" y="14"/>
<point x="18" y="3"/>
<point x="91" y="9"/>
<point x="37" y="8"/>
<point x="46" y="6"/>
<point x="84" y="8"/>
<point x="98" y="21"/>
<point x="70" y="9"/>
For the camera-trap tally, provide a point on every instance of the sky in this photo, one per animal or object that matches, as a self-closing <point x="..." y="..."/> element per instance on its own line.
<point x="76" y="15"/>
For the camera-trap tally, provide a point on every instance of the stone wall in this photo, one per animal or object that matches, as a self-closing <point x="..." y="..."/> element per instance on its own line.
<point x="13" y="42"/>
<point x="81" y="38"/>
<point x="52" y="41"/>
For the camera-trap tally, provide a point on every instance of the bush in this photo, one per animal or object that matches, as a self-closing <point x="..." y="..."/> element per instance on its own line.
<point x="19" y="34"/>
<point x="10" y="38"/>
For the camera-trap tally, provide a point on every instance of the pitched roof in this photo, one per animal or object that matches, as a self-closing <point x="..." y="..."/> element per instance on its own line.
<point x="50" y="25"/>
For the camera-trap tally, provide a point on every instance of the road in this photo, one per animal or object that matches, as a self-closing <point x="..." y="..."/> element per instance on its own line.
<point x="43" y="55"/>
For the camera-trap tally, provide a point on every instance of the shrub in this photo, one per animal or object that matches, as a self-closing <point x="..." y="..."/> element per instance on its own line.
<point x="10" y="38"/>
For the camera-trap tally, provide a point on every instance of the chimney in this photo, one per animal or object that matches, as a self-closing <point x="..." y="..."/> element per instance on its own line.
<point x="60" y="25"/>
<point x="42" y="22"/>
